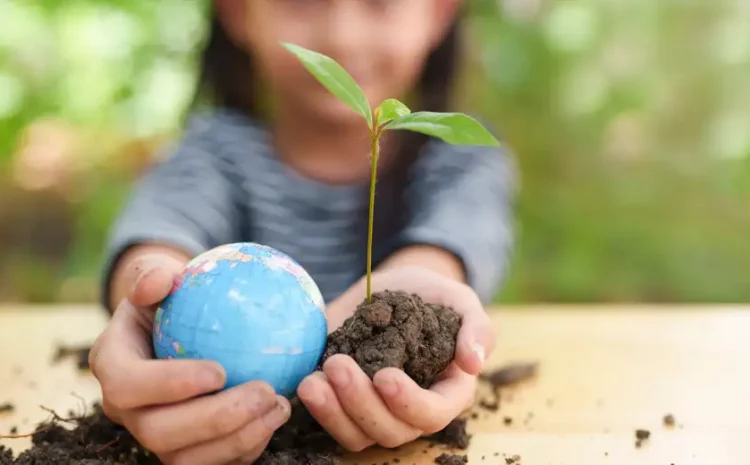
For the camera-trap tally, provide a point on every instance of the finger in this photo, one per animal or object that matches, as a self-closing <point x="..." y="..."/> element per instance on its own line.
<point x="154" y="281"/>
<point x="362" y="403"/>
<point x="320" y="399"/>
<point x="428" y="410"/>
<point x="173" y="427"/>
<point x="244" y="445"/>
<point x="476" y="338"/>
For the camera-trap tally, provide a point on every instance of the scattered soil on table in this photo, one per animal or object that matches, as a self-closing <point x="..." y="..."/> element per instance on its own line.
<point x="641" y="435"/>
<point x="7" y="407"/>
<point x="79" y="353"/>
<point x="451" y="459"/>
<point x="668" y="420"/>
<point x="515" y="459"/>
<point x="398" y="330"/>
<point x="508" y="421"/>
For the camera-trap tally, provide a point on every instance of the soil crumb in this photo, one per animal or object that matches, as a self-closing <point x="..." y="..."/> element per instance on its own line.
<point x="515" y="459"/>
<point x="641" y="435"/>
<point x="454" y="435"/>
<point x="668" y="420"/>
<point x="7" y="407"/>
<point x="79" y="353"/>
<point x="398" y="330"/>
<point x="503" y="377"/>
<point x="510" y="374"/>
<point x="451" y="459"/>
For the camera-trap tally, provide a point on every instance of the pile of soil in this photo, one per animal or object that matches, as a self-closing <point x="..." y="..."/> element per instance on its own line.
<point x="395" y="330"/>
<point x="398" y="330"/>
<point x="94" y="440"/>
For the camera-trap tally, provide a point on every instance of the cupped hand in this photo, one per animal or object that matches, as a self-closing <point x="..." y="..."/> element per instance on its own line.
<point x="391" y="409"/>
<point x="172" y="407"/>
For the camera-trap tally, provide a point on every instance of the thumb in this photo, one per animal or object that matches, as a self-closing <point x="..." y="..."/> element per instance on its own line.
<point x="476" y="341"/>
<point x="156" y="276"/>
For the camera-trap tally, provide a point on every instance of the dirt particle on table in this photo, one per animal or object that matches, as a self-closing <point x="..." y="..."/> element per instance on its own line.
<point x="503" y="377"/>
<point x="451" y="459"/>
<point x="668" y="420"/>
<point x="491" y="405"/>
<point x="514" y="459"/>
<point x="641" y="435"/>
<point x="508" y="421"/>
<point x="398" y="330"/>
<point x="13" y="430"/>
<point x="510" y="374"/>
<point x="7" y="407"/>
<point x="454" y="435"/>
<point x="79" y="353"/>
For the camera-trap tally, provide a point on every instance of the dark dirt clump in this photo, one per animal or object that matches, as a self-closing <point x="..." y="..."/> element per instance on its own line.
<point x="398" y="330"/>
<point x="641" y="435"/>
<point x="7" y="407"/>
<point x="300" y="441"/>
<point x="451" y="459"/>
<point x="454" y="435"/>
<point x="668" y="420"/>
<point x="90" y="440"/>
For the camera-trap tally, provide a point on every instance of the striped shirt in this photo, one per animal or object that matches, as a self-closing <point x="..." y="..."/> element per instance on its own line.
<point x="223" y="183"/>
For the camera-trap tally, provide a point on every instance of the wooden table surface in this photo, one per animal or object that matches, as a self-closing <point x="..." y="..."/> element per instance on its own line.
<point x="604" y="372"/>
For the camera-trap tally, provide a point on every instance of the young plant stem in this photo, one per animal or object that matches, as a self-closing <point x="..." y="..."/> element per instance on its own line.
<point x="373" y="178"/>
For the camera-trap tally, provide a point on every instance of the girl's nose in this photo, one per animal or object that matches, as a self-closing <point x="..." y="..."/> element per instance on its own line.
<point x="347" y="29"/>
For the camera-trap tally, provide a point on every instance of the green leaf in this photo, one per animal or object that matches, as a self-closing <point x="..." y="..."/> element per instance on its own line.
<point x="390" y="109"/>
<point x="334" y="78"/>
<point x="453" y="128"/>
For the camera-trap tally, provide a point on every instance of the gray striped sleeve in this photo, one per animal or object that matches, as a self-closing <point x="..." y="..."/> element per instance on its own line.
<point x="462" y="199"/>
<point x="185" y="201"/>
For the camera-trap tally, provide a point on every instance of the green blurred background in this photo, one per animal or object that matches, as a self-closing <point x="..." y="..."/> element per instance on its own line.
<point x="630" y="121"/>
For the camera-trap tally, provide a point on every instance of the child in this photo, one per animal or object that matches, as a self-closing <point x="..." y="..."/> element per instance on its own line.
<point x="280" y="161"/>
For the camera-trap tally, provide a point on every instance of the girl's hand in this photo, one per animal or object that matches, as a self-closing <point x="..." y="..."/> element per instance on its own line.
<point x="392" y="409"/>
<point x="158" y="400"/>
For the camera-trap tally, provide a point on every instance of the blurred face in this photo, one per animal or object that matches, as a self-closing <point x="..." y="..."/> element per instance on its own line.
<point x="383" y="44"/>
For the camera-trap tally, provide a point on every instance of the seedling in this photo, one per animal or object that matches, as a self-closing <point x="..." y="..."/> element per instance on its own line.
<point x="391" y="114"/>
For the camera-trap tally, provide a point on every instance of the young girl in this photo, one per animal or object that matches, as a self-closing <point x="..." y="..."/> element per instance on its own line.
<point x="281" y="161"/>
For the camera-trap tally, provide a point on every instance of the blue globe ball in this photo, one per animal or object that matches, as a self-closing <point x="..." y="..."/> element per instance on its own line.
<point x="250" y="308"/>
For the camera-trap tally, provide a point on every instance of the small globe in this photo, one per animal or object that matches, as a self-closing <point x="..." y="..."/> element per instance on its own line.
<point x="250" y="308"/>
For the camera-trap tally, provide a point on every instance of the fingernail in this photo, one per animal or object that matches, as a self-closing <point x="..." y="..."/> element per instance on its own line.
<point x="278" y="415"/>
<point x="479" y="351"/>
<point x="142" y="274"/>
<point x="389" y="387"/>
<point x="340" y="377"/>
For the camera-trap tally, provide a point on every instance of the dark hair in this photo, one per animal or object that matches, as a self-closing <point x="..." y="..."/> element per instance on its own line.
<point x="227" y="75"/>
